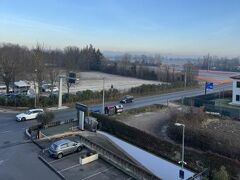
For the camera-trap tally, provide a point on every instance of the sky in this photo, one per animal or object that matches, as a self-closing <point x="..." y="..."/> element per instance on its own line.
<point x="178" y="27"/>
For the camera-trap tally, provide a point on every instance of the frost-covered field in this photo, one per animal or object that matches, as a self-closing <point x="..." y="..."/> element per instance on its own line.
<point x="94" y="81"/>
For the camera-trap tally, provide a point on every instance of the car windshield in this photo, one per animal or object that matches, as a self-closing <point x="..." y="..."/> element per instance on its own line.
<point x="28" y="112"/>
<point x="54" y="146"/>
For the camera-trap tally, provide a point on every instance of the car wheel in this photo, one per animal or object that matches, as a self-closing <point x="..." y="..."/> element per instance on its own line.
<point x="59" y="156"/>
<point x="79" y="148"/>
<point x="23" y="119"/>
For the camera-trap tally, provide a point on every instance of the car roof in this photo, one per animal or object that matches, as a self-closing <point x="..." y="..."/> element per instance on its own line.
<point x="62" y="141"/>
<point x="35" y="109"/>
<point x="119" y="105"/>
<point x="127" y="96"/>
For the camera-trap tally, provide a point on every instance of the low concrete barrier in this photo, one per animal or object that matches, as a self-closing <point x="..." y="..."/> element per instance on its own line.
<point x="88" y="159"/>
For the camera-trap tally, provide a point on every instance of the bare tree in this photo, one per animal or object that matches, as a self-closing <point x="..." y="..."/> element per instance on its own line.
<point x="10" y="56"/>
<point x="38" y="66"/>
<point x="72" y="54"/>
<point x="52" y="68"/>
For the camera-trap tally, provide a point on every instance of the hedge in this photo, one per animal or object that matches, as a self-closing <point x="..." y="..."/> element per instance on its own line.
<point x="164" y="149"/>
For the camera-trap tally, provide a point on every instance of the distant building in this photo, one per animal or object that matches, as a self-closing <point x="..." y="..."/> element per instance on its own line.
<point x="236" y="90"/>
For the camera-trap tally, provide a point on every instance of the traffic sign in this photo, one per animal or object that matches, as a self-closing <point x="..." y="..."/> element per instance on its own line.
<point x="181" y="174"/>
<point x="209" y="85"/>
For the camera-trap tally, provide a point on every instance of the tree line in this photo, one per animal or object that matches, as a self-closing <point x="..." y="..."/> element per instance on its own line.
<point x="43" y="64"/>
<point x="40" y="64"/>
<point x="209" y="62"/>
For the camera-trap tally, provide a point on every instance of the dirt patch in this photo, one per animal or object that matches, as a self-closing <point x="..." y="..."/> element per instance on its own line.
<point x="154" y="123"/>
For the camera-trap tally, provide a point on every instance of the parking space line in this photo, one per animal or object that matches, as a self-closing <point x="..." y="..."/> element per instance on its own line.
<point x="54" y="161"/>
<point x="97" y="173"/>
<point x="76" y="165"/>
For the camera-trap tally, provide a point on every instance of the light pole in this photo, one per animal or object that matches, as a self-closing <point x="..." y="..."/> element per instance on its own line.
<point x="182" y="161"/>
<point x="60" y="90"/>
<point x="103" y="95"/>
<point x="35" y="88"/>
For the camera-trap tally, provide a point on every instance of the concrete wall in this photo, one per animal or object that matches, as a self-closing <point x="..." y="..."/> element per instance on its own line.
<point x="88" y="159"/>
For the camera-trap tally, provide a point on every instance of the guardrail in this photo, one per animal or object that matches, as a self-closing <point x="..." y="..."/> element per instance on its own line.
<point x="126" y="166"/>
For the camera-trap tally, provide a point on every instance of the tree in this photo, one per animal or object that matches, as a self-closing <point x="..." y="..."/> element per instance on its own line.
<point x="38" y="65"/>
<point x="72" y="55"/>
<point x="10" y="56"/>
<point x="190" y="72"/>
<point x="51" y="67"/>
<point x="45" y="118"/>
<point x="222" y="174"/>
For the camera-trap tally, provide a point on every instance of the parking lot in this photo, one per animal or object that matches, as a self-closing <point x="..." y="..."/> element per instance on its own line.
<point x="69" y="168"/>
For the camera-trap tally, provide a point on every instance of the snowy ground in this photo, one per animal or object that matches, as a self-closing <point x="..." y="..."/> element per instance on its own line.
<point x="94" y="81"/>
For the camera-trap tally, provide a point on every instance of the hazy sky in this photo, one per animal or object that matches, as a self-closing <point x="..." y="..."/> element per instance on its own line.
<point x="186" y="27"/>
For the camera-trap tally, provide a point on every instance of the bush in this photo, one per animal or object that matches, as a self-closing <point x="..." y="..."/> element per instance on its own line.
<point x="162" y="147"/>
<point x="222" y="174"/>
<point x="45" y="118"/>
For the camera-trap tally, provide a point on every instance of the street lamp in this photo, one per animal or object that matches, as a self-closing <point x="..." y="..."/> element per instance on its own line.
<point x="103" y="96"/>
<point x="35" y="88"/>
<point x="181" y="174"/>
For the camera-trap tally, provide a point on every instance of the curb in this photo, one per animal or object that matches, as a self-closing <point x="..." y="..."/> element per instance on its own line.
<point x="28" y="134"/>
<point x="51" y="167"/>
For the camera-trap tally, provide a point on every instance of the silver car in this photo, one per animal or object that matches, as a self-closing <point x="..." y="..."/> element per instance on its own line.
<point x="63" y="147"/>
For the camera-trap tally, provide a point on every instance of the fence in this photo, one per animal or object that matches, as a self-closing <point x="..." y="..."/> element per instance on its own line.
<point x="200" y="175"/>
<point x="209" y="104"/>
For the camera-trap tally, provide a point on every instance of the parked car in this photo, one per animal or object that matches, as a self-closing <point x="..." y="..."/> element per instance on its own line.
<point x="28" y="115"/>
<point x="127" y="99"/>
<point x="63" y="147"/>
<point x="48" y="88"/>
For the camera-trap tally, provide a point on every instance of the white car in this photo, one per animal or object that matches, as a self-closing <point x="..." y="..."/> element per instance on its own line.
<point x="30" y="114"/>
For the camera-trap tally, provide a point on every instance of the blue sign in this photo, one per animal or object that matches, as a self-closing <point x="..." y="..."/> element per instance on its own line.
<point x="181" y="174"/>
<point x="209" y="85"/>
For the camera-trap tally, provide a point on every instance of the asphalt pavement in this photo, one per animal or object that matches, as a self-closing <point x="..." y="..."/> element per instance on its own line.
<point x="18" y="156"/>
<point x="147" y="100"/>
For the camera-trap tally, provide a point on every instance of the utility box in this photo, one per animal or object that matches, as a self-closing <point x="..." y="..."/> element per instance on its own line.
<point x="90" y="123"/>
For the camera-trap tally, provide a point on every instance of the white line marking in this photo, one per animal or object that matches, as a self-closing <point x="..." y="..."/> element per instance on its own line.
<point x="55" y="161"/>
<point x="76" y="165"/>
<point x="5" y="132"/>
<point x="97" y="173"/>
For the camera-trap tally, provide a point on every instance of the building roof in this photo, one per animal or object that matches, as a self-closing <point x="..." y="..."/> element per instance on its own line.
<point x="21" y="84"/>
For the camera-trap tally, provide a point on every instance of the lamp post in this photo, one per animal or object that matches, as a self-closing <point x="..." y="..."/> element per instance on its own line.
<point x="35" y="88"/>
<point x="182" y="161"/>
<point x="103" y="95"/>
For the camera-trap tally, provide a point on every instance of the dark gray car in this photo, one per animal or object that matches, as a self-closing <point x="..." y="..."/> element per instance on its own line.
<point x="63" y="147"/>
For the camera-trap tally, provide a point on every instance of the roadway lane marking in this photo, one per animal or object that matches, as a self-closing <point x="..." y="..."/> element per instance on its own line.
<point x="3" y="132"/>
<point x="76" y="165"/>
<point x="97" y="173"/>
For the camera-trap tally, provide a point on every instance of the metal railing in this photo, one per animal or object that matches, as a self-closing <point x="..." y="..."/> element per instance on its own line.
<point x="126" y="166"/>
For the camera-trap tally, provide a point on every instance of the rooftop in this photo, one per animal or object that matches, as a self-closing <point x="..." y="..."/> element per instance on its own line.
<point x="21" y="84"/>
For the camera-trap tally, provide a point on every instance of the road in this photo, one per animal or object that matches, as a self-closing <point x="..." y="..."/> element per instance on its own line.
<point x="148" y="100"/>
<point x="18" y="156"/>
